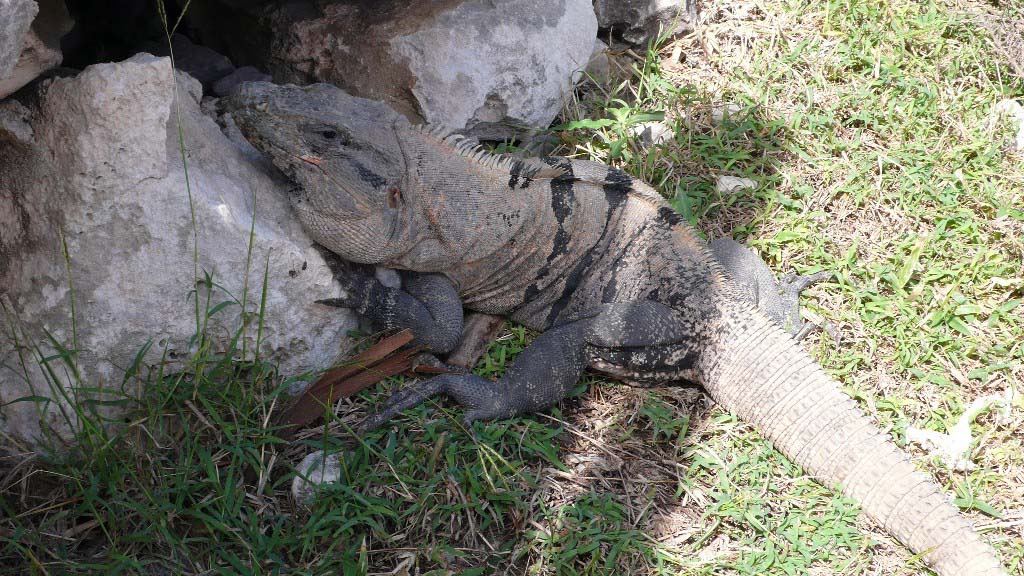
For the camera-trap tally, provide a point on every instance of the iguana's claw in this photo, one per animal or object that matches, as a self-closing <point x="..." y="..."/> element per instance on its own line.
<point x="430" y="361"/>
<point x="338" y="302"/>
<point x="355" y="279"/>
<point x="804" y="331"/>
<point x="413" y="395"/>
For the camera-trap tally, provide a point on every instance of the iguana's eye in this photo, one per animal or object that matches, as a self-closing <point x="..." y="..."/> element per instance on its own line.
<point x="394" y="195"/>
<point x="329" y="134"/>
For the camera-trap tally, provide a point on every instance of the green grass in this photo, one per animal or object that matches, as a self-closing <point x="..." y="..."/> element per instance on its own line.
<point x="869" y="128"/>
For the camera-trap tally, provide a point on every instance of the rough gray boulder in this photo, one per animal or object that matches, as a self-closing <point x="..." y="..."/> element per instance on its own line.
<point x="17" y="17"/>
<point x="30" y="36"/>
<point x="94" y="161"/>
<point x="225" y="85"/>
<point x="492" y="68"/>
<point x="638" y="22"/>
<point x="202" y="63"/>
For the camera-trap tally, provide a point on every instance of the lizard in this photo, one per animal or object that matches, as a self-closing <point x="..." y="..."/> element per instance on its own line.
<point x="599" y="264"/>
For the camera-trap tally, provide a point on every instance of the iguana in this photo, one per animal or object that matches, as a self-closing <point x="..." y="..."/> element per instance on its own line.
<point x="598" y="263"/>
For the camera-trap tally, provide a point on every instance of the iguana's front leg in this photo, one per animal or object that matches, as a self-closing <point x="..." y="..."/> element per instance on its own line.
<point x="548" y="369"/>
<point x="427" y="304"/>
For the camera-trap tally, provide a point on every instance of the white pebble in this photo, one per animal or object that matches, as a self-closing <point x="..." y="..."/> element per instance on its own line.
<point x="727" y="184"/>
<point x="315" y="470"/>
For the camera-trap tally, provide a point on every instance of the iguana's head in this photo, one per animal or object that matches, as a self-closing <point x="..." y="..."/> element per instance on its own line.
<point x="343" y="154"/>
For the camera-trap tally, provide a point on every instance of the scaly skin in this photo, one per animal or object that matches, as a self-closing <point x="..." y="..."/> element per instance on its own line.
<point x="779" y="300"/>
<point x="600" y="264"/>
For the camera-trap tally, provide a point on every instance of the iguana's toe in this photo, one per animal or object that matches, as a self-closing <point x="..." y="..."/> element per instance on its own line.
<point x="406" y="398"/>
<point x="790" y="287"/>
<point x="802" y="332"/>
<point x="427" y="362"/>
<point x="348" y="302"/>
<point x="797" y="284"/>
<point x="485" y="400"/>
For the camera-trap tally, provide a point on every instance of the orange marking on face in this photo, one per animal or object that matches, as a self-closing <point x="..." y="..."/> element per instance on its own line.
<point x="436" y="224"/>
<point x="314" y="160"/>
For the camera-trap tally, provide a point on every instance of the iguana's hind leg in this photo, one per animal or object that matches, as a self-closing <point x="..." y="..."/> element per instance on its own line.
<point x="542" y="375"/>
<point x="427" y="304"/>
<point x="549" y="368"/>
<point x="780" y="300"/>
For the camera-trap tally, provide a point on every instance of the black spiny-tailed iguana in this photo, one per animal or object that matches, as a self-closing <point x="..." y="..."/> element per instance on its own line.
<point x="595" y="260"/>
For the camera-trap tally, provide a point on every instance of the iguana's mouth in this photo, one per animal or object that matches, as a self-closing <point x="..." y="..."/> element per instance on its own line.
<point x="355" y="209"/>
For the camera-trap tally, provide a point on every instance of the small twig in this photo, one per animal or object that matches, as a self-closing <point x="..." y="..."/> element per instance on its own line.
<point x="199" y="415"/>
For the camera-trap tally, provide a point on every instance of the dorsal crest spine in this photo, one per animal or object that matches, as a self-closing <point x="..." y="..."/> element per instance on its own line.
<point x="525" y="168"/>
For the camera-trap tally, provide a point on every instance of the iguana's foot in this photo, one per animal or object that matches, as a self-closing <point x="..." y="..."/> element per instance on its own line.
<point x="542" y="375"/>
<point x="356" y="280"/>
<point x="427" y="304"/>
<point x="484" y="399"/>
<point x="790" y="287"/>
<point x="779" y="299"/>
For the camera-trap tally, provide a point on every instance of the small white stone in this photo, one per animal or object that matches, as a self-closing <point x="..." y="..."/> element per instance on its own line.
<point x="651" y="133"/>
<point x="315" y="470"/>
<point x="1015" y="112"/>
<point x="724" y="111"/>
<point x="727" y="184"/>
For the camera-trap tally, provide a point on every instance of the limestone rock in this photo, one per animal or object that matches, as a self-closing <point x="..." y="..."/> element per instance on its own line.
<point x="95" y="163"/>
<point x="14" y="121"/>
<point x="638" y="22"/>
<point x="491" y="67"/>
<point x="30" y="36"/>
<point x="17" y="17"/>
